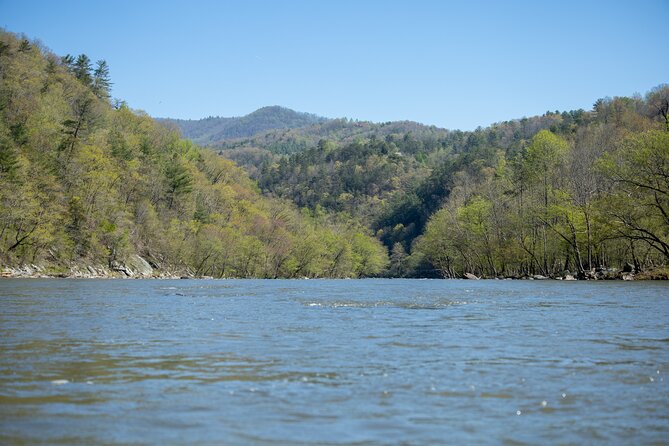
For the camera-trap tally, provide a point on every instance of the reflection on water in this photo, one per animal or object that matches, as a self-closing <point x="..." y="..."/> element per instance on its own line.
<point x="333" y="362"/>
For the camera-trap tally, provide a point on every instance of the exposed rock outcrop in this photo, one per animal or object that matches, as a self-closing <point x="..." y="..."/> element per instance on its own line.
<point x="134" y="266"/>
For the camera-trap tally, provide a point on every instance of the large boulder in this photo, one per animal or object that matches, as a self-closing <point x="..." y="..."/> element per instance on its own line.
<point x="139" y="266"/>
<point x="134" y="266"/>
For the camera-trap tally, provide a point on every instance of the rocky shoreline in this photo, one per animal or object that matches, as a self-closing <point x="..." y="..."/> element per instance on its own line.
<point x="134" y="268"/>
<point x="89" y="272"/>
<point x="138" y="268"/>
<point x="625" y="274"/>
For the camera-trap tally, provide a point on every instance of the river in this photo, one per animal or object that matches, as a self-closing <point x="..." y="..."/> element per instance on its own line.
<point x="333" y="362"/>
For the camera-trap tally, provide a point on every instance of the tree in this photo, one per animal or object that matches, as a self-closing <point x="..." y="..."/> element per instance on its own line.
<point x="546" y="152"/>
<point x="82" y="69"/>
<point x="437" y="243"/>
<point x="398" y="261"/>
<point x="179" y="180"/>
<point x="657" y="103"/>
<point x="68" y="61"/>
<point x="80" y="120"/>
<point x="101" y="84"/>
<point x="25" y="46"/>
<point x="369" y="256"/>
<point x="639" y="204"/>
<point x="542" y="164"/>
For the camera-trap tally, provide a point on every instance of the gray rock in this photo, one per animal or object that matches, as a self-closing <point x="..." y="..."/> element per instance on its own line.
<point x="118" y="266"/>
<point x="140" y="266"/>
<point x="470" y="276"/>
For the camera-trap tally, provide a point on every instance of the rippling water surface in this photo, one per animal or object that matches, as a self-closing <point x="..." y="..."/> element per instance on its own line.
<point x="352" y="362"/>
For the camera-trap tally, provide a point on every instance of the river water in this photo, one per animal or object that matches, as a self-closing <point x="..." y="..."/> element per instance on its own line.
<point x="319" y="362"/>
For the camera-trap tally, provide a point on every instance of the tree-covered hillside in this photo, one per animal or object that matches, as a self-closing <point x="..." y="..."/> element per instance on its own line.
<point x="85" y="183"/>
<point x="386" y="174"/>
<point x="564" y="192"/>
<point x="214" y="130"/>
<point x="289" y="141"/>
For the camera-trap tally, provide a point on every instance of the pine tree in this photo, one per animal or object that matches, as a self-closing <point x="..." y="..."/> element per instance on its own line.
<point x="25" y="46"/>
<point x="82" y="69"/>
<point x="68" y="61"/>
<point x="101" y="82"/>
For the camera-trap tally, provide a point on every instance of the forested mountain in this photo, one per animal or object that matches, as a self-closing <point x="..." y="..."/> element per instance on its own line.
<point x="288" y="141"/>
<point x="571" y="191"/>
<point x="213" y="130"/>
<point x="377" y="172"/>
<point x="87" y="184"/>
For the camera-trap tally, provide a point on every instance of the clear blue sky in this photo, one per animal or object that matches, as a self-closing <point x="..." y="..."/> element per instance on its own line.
<point x="452" y="64"/>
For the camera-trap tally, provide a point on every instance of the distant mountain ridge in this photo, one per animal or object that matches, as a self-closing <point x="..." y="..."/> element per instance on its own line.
<point x="213" y="130"/>
<point x="341" y="131"/>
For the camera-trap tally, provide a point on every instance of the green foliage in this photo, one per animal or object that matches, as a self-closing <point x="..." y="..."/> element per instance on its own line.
<point x="521" y="197"/>
<point x="82" y="70"/>
<point x="9" y="162"/>
<point x="638" y="207"/>
<point x="546" y="212"/>
<point x="101" y="83"/>
<point x="179" y="179"/>
<point x="369" y="256"/>
<point x="84" y="182"/>
<point x="355" y="178"/>
<point x="657" y="104"/>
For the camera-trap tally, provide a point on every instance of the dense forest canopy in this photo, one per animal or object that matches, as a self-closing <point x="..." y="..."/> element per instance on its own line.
<point x="85" y="180"/>
<point x="557" y="194"/>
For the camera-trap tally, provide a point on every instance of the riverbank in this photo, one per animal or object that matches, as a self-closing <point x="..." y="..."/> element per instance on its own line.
<point x="89" y="272"/>
<point x="140" y="269"/>
<point x="659" y="273"/>
<point x="134" y="268"/>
